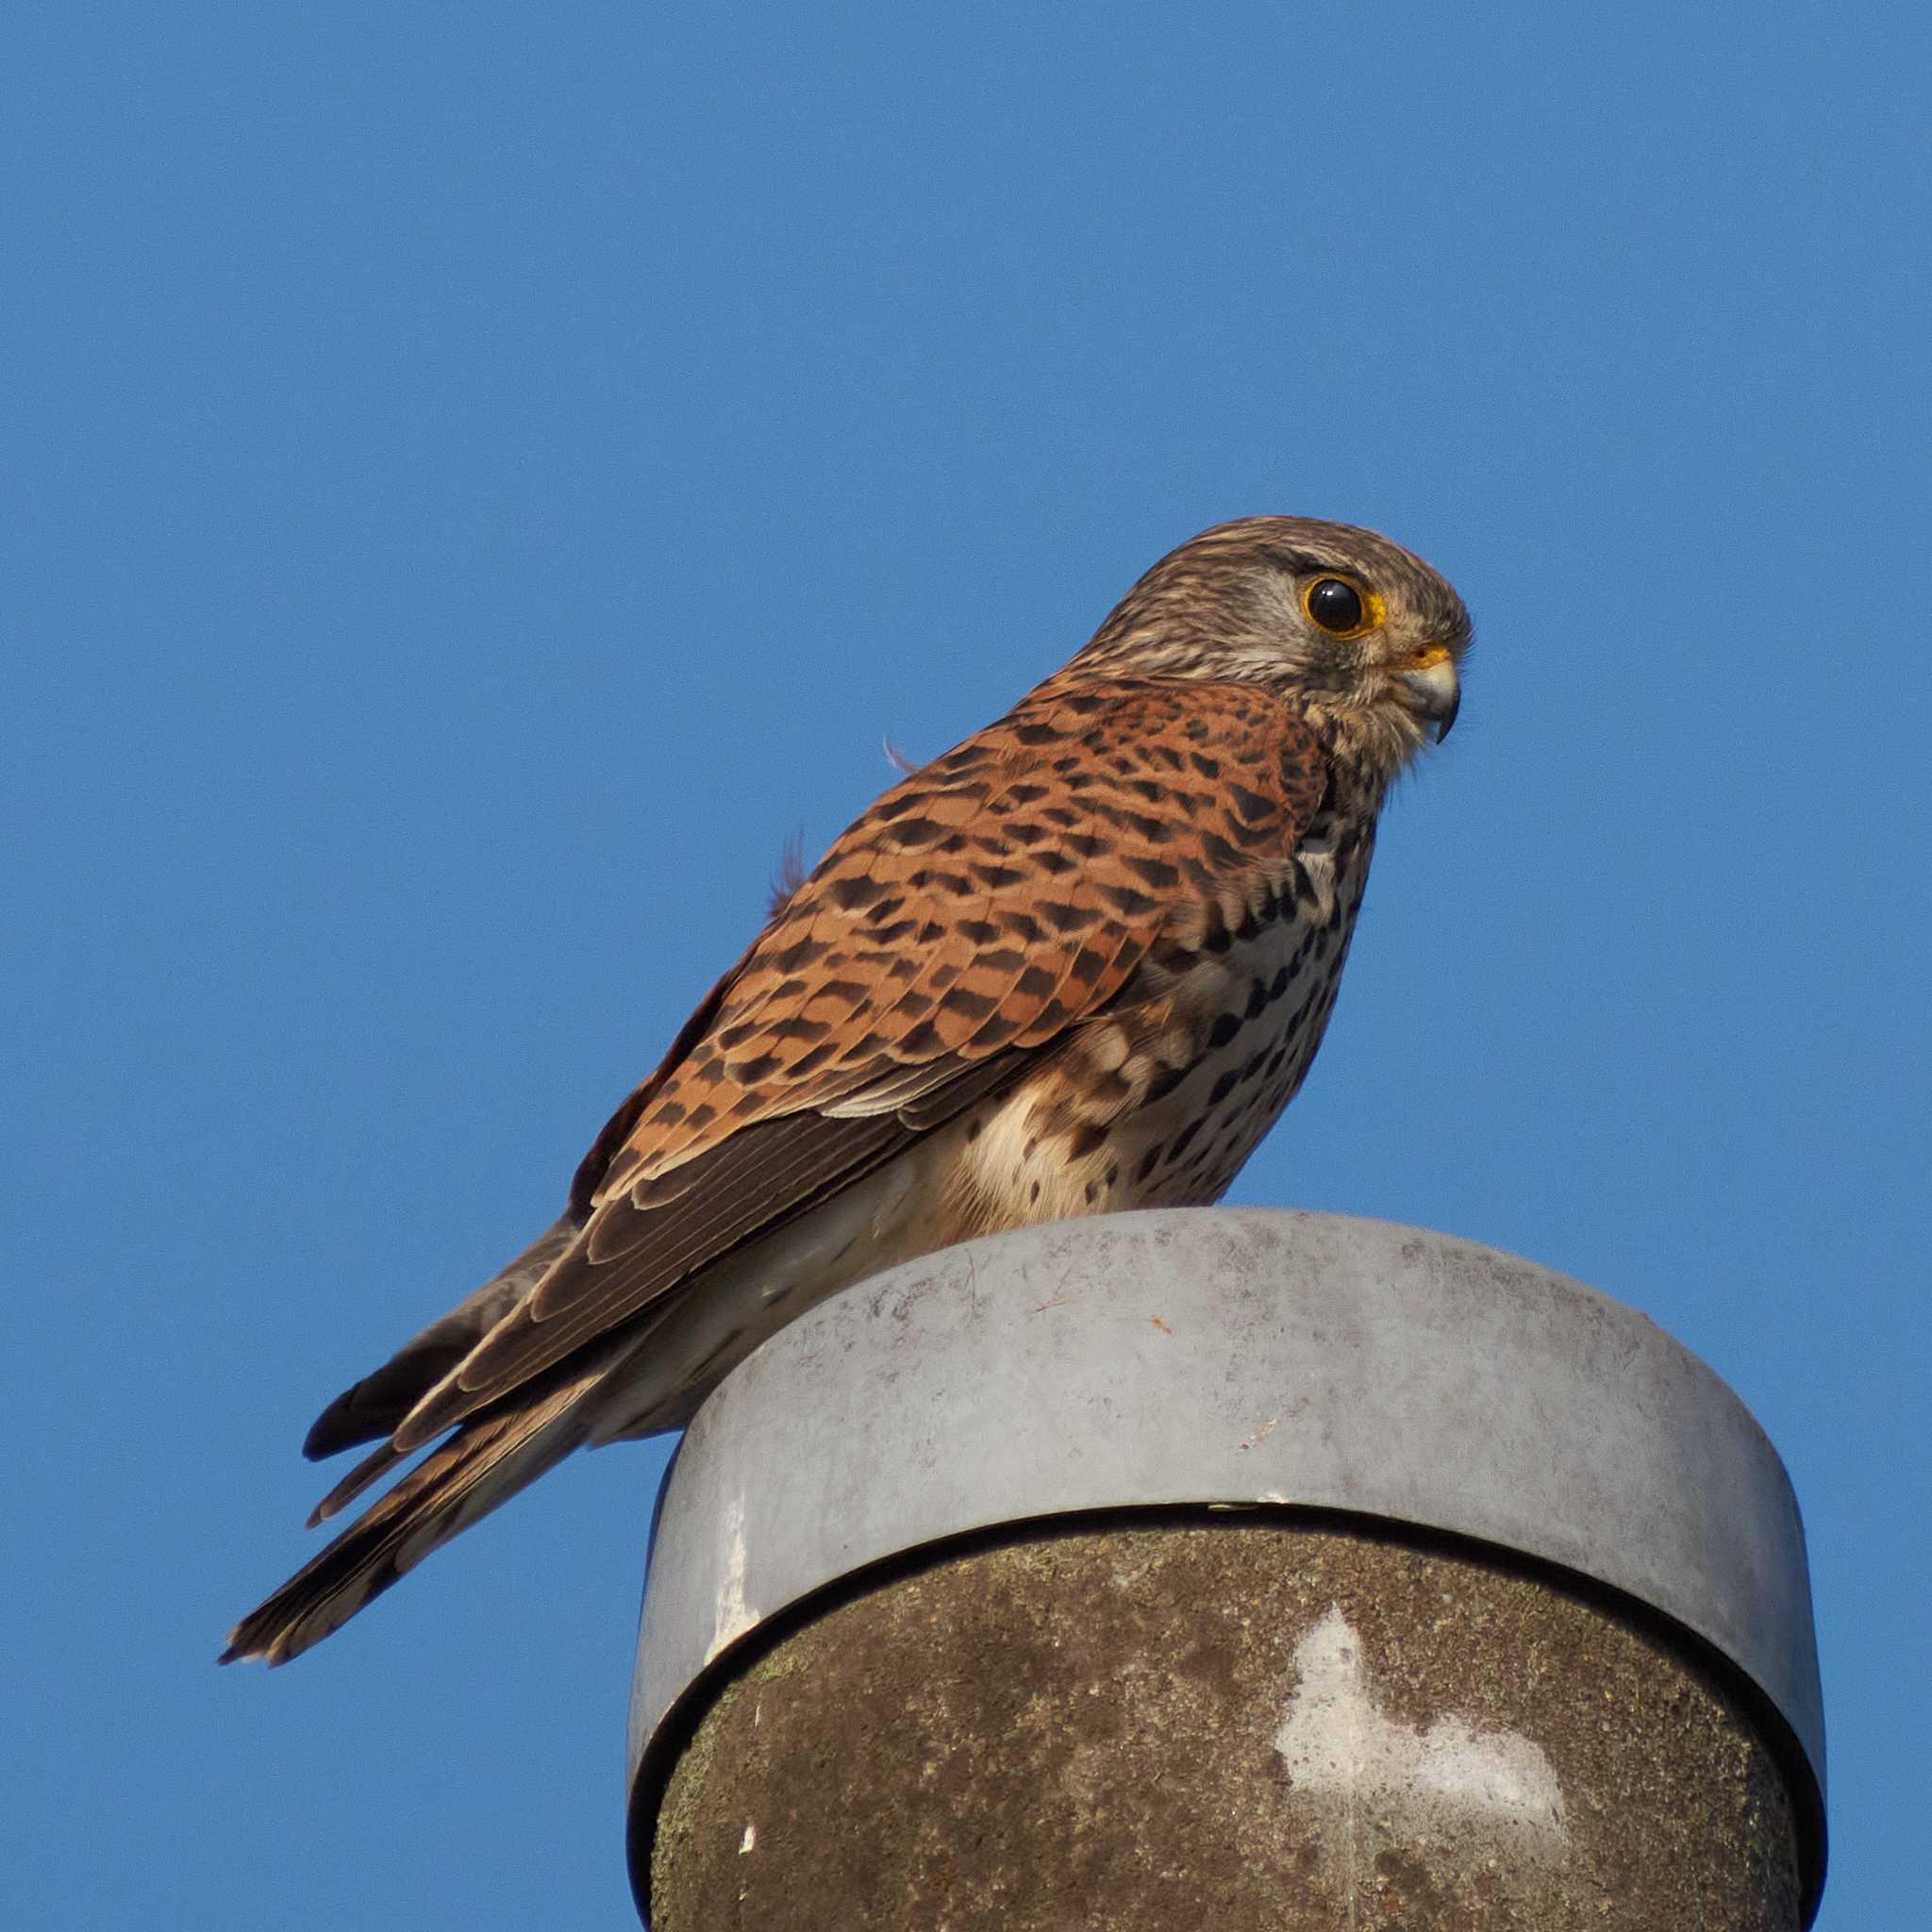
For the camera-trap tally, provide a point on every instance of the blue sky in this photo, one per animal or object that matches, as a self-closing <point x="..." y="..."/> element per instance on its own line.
<point x="479" y="479"/>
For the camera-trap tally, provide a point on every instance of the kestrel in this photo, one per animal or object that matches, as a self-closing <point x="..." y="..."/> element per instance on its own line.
<point x="1079" y="963"/>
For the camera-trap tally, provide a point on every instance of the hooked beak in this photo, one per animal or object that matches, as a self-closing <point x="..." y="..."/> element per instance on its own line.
<point x="1432" y="688"/>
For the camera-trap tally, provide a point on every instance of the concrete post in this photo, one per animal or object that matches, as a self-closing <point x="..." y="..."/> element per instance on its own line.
<point x="1226" y="1568"/>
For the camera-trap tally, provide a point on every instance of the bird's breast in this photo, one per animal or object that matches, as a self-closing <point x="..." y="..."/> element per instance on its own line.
<point x="1159" y="1101"/>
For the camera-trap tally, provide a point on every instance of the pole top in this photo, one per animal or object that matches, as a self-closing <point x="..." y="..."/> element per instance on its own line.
<point x="1239" y="1358"/>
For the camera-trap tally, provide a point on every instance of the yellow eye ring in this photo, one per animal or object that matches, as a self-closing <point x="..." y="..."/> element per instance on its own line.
<point x="1340" y="607"/>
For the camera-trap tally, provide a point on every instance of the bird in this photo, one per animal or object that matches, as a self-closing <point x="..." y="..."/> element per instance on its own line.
<point x="1079" y="963"/>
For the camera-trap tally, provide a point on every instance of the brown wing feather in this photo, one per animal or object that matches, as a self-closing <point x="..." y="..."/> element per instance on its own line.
<point x="631" y="1254"/>
<point x="994" y="900"/>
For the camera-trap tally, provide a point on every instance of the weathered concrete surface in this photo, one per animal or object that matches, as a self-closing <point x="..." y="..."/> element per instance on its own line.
<point x="1240" y="1722"/>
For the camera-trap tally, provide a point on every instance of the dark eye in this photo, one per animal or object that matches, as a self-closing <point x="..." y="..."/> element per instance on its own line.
<point x="1334" y="604"/>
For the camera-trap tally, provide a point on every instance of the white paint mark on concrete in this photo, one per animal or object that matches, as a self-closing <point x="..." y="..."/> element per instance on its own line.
<point x="749" y="1842"/>
<point x="733" y="1616"/>
<point x="1452" y="1776"/>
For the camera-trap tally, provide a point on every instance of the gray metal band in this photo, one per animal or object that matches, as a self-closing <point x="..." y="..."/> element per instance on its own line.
<point x="1225" y="1356"/>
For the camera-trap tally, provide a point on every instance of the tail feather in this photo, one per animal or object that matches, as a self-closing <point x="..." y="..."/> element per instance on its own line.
<point x="483" y="1464"/>
<point x="371" y="1468"/>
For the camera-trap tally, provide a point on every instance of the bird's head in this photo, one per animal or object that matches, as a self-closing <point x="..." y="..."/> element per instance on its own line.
<point x="1358" y="633"/>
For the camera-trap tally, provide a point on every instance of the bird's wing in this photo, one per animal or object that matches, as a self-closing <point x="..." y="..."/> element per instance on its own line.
<point x="371" y="1410"/>
<point x="980" y="911"/>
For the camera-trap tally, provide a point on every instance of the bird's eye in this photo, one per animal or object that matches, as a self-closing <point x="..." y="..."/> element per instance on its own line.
<point x="1335" y="606"/>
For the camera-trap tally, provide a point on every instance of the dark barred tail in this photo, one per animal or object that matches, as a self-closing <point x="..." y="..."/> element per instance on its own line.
<point x="487" y="1461"/>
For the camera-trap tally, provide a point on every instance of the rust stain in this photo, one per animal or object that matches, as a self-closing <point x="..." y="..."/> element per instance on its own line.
<point x="1160" y="1324"/>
